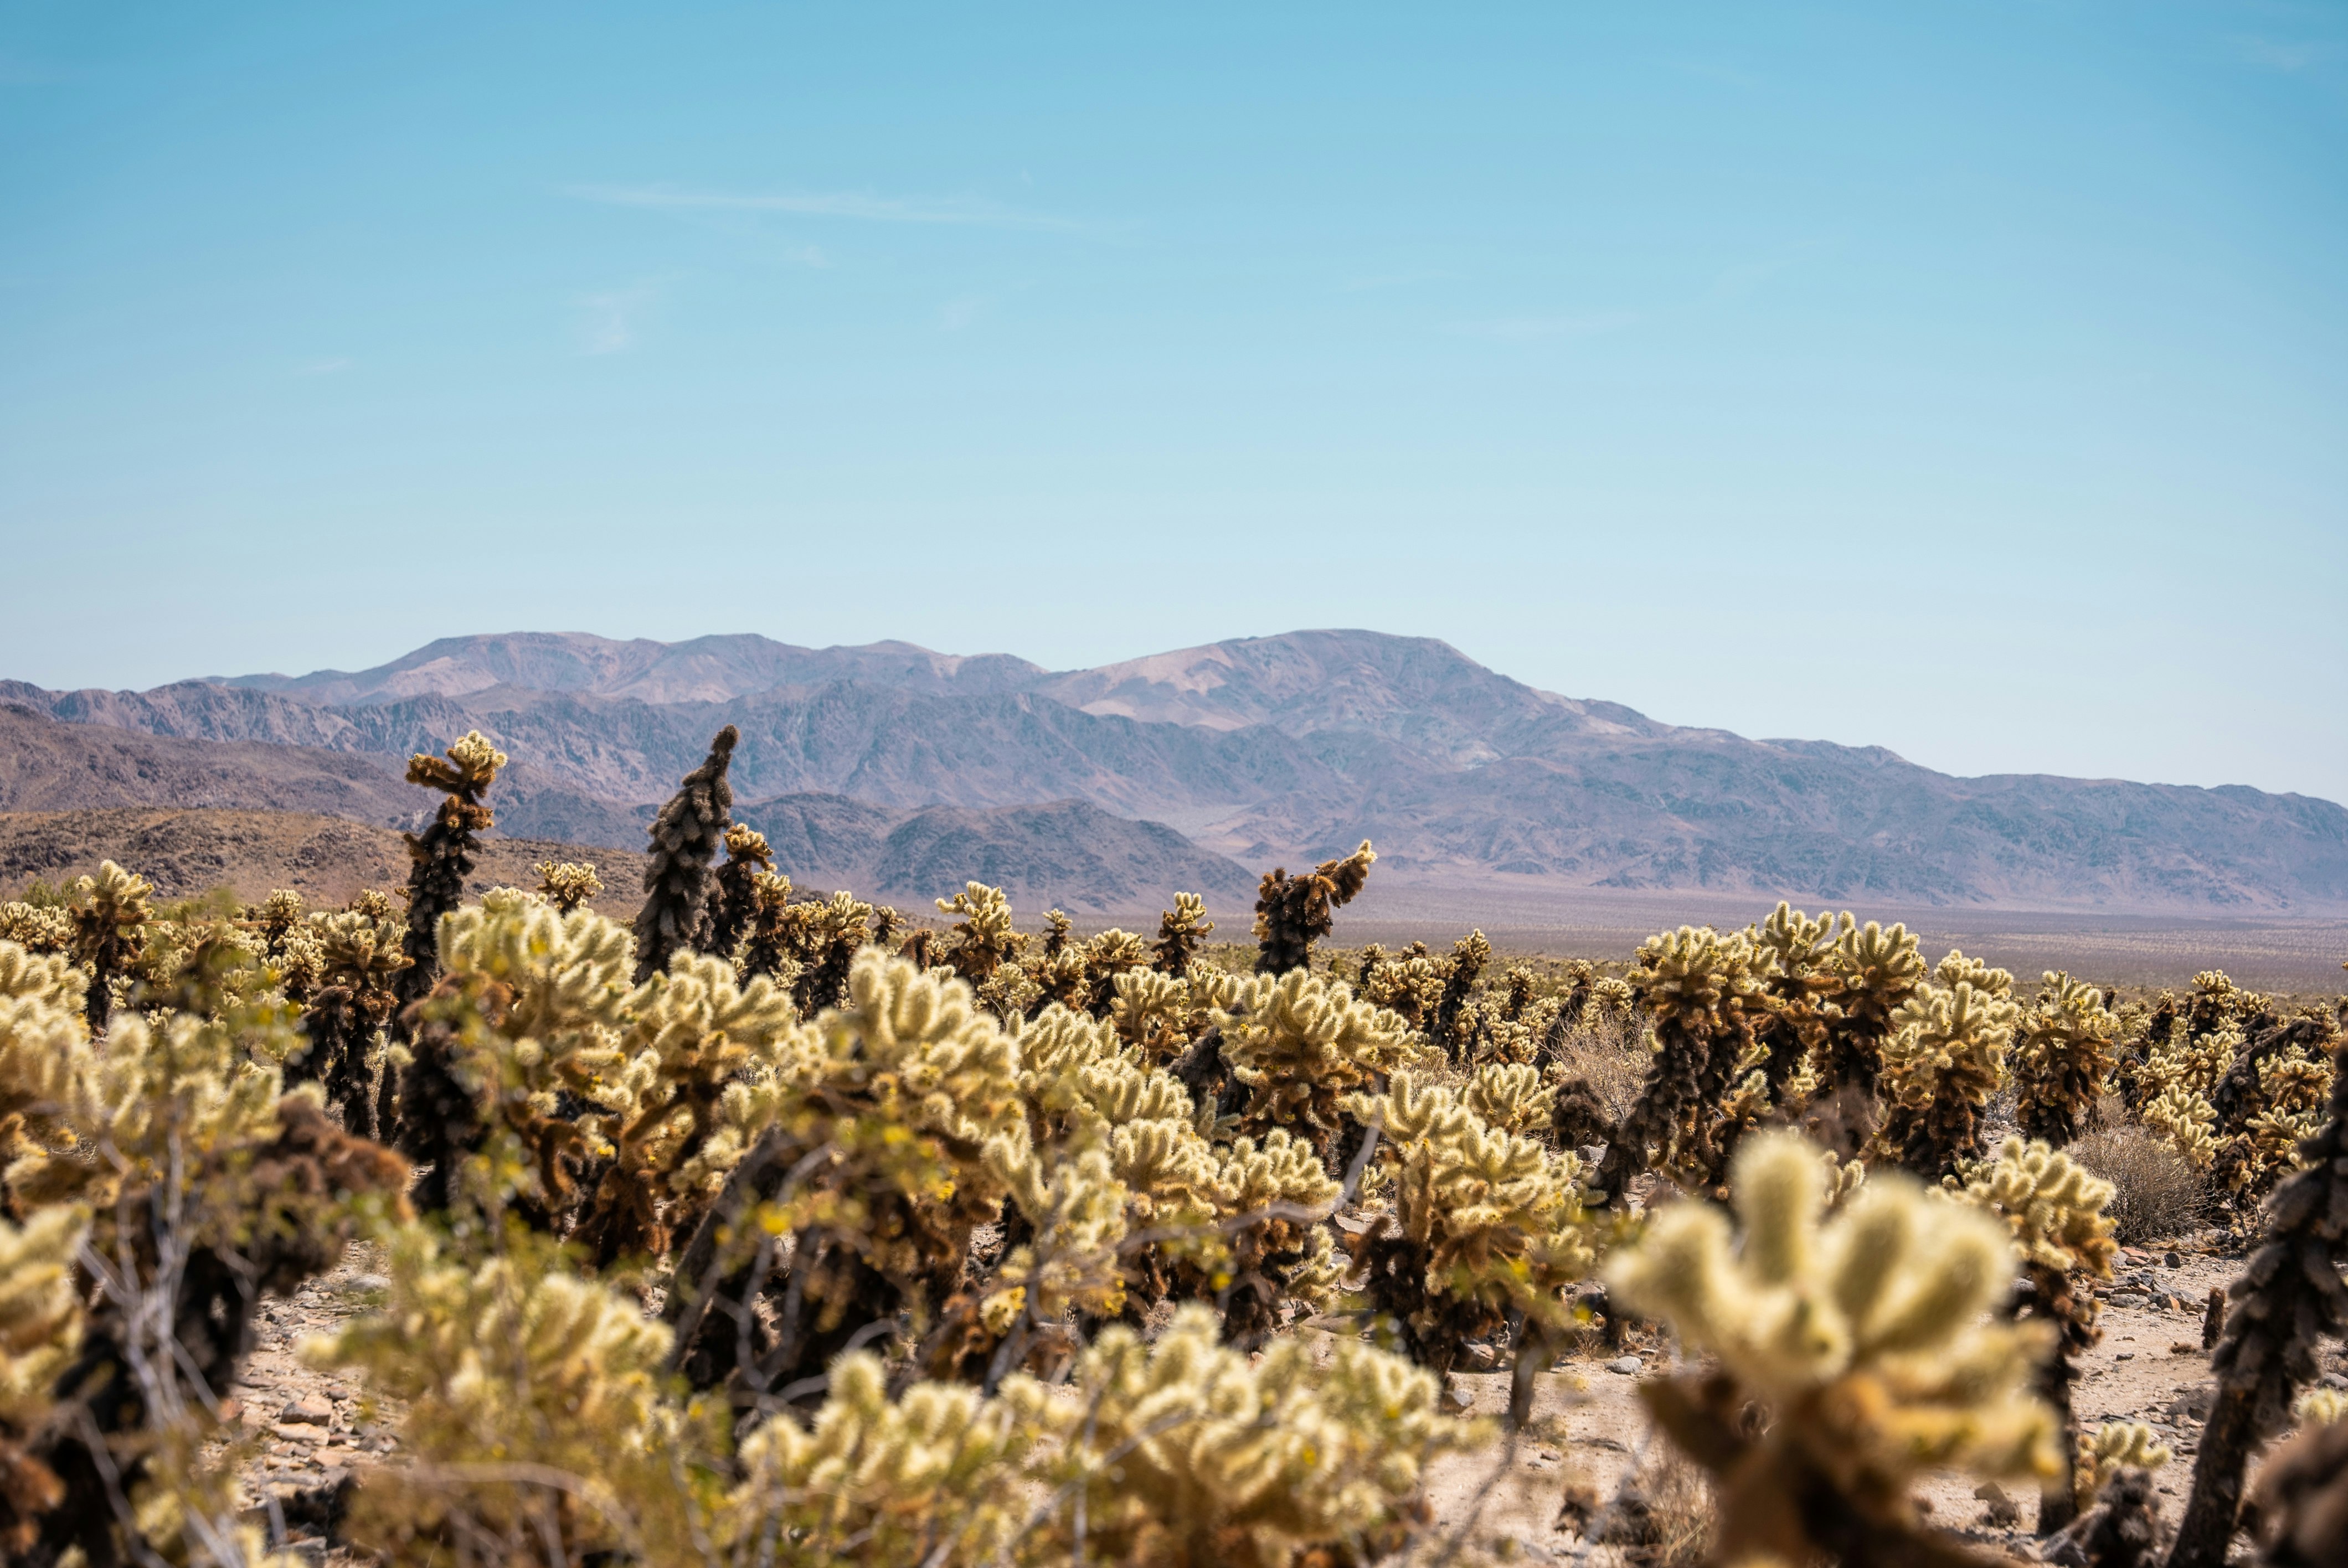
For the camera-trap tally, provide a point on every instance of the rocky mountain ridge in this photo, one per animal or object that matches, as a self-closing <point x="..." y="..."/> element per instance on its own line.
<point x="1281" y="748"/>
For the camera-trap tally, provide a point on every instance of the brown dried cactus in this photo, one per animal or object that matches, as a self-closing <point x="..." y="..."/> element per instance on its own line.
<point x="677" y="875"/>
<point x="1291" y="912"/>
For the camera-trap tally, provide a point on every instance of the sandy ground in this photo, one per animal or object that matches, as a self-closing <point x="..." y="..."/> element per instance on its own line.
<point x="1589" y="1428"/>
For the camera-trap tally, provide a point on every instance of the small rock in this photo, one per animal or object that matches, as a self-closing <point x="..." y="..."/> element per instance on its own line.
<point x="2173" y="1260"/>
<point x="2128" y="1298"/>
<point x="1627" y="1365"/>
<point x="2125" y="1355"/>
<point x="1480" y="1355"/>
<point x="2003" y="1512"/>
<point x="311" y="1409"/>
<point x="372" y="1281"/>
<point x="2334" y="1380"/>
<point x="1458" y="1398"/>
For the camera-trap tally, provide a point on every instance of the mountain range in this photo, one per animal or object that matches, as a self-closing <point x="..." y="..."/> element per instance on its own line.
<point x="1288" y="748"/>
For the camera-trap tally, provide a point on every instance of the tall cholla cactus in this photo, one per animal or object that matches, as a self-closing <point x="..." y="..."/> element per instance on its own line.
<point x="1291" y="912"/>
<point x="443" y="853"/>
<point x="986" y="939"/>
<point x="1468" y="957"/>
<point x="736" y="904"/>
<point x="568" y="884"/>
<point x="1181" y="932"/>
<point x="1875" y="973"/>
<point x="677" y="876"/>
<point x="1487" y="1223"/>
<point x="1944" y="1066"/>
<point x="358" y="962"/>
<point x="2288" y="1299"/>
<point x="1703" y="992"/>
<point x="1867" y="1342"/>
<point x="1802" y="951"/>
<point x="111" y="913"/>
<point x="2068" y="1047"/>
<point x="2055" y="1209"/>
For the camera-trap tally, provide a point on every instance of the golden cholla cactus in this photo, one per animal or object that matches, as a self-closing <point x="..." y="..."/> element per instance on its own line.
<point x="110" y="911"/>
<point x="888" y="1103"/>
<point x="441" y="856"/>
<point x="2110" y="1449"/>
<point x="734" y="901"/>
<point x="1484" y="1223"/>
<point x="984" y="937"/>
<point x="1273" y="1198"/>
<point x="2185" y="1119"/>
<point x="1704" y="993"/>
<point x="40" y="1324"/>
<point x="34" y="928"/>
<point x="1510" y="1097"/>
<point x="2055" y="1209"/>
<point x="689" y="1034"/>
<point x="1873" y="972"/>
<point x="2320" y="1407"/>
<point x="2064" y="1058"/>
<point x="47" y="1060"/>
<point x="1299" y="1042"/>
<point x="1186" y="1454"/>
<point x="533" y="1417"/>
<point x="1076" y="1211"/>
<point x="358" y="957"/>
<point x="1801" y="952"/>
<point x="1410" y="986"/>
<point x="1111" y="954"/>
<point x="1181" y="932"/>
<point x="531" y="1013"/>
<point x="1163" y="1014"/>
<point x="2286" y="1110"/>
<point x="1869" y="1341"/>
<point x="1291" y="912"/>
<point x="1469" y="955"/>
<point x="1944" y="1065"/>
<point x="568" y="884"/>
<point x="933" y="1476"/>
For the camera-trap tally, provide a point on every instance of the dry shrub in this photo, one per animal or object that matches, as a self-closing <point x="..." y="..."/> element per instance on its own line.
<point x="2159" y="1194"/>
<point x="1660" y="1519"/>
<point x="1606" y="1051"/>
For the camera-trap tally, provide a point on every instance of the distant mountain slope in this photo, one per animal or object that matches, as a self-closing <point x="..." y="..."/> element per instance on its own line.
<point x="47" y="765"/>
<point x="1066" y="853"/>
<point x="1281" y="748"/>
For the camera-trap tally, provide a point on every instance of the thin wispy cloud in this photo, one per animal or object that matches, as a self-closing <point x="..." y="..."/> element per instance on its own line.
<point x="1566" y="328"/>
<point x="970" y="211"/>
<point x="2285" y="55"/>
<point x="609" y="321"/>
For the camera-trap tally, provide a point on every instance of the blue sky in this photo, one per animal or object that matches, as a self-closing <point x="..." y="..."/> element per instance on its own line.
<point x="1970" y="380"/>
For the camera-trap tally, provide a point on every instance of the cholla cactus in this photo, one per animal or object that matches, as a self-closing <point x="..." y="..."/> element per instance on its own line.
<point x="2064" y="1058"/>
<point x="2286" y="1301"/>
<point x="35" y="928"/>
<point x="1867" y="1342"/>
<point x="2055" y="1209"/>
<point x="1704" y="991"/>
<point x="2270" y="1101"/>
<point x="40" y="1325"/>
<point x="1182" y="1454"/>
<point x="1181" y="932"/>
<point x="2185" y="1119"/>
<point x="773" y="948"/>
<point x="689" y="1035"/>
<point x="677" y="875"/>
<point x="1298" y="1042"/>
<point x="2301" y="1502"/>
<point x="358" y="961"/>
<point x="531" y="1013"/>
<point x="110" y="912"/>
<point x="1163" y="1014"/>
<point x="1291" y="912"/>
<point x="985" y="939"/>
<point x="568" y="884"/>
<point x="443" y="856"/>
<point x="734" y="903"/>
<point x="1410" y="986"/>
<point x="933" y="1476"/>
<point x="1486" y="1223"/>
<point x="879" y="1117"/>
<point x="1511" y="1097"/>
<point x="1874" y="972"/>
<point x="1944" y="1066"/>
<point x="1802" y="951"/>
<point x="532" y="1414"/>
<point x="2110" y="1449"/>
<point x="1469" y="954"/>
